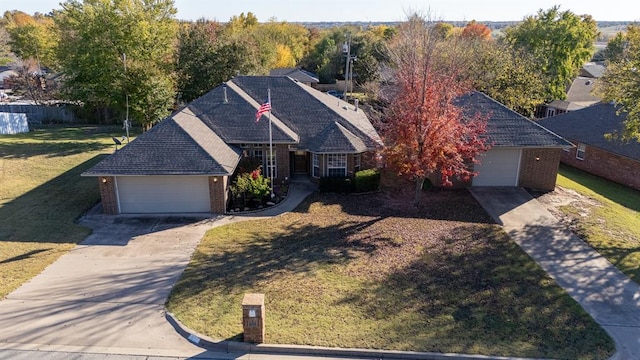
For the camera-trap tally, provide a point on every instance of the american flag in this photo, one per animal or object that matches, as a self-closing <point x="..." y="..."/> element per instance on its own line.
<point x="265" y="107"/>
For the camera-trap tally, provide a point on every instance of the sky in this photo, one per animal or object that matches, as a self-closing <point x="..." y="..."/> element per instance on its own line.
<point x="373" y="10"/>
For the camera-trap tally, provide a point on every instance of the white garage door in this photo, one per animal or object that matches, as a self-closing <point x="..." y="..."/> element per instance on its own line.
<point x="498" y="167"/>
<point x="163" y="194"/>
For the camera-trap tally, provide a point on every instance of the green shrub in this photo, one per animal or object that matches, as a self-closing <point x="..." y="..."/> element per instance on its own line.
<point x="367" y="180"/>
<point x="252" y="185"/>
<point x="335" y="184"/>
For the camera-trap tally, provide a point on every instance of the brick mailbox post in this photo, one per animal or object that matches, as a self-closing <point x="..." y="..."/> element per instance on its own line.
<point x="253" y="318"/>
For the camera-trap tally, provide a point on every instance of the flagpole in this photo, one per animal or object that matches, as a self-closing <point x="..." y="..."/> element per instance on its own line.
<point x="271" y="159"/>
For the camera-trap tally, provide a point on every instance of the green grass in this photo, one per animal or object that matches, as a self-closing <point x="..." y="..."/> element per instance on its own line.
<point x="373" y="272"/>
<point x="42" y="194"/>
<point x="613" y="226"/>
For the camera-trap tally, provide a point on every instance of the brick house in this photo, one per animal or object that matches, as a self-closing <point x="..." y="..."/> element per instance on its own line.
<point x="611" y="159"/>
<point x="184" y="164"/>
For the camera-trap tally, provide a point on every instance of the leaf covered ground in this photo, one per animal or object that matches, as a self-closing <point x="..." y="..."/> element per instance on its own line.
<point x="372" y="271"/>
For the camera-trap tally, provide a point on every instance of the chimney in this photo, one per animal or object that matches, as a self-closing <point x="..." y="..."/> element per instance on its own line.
<point x="355" y="102"/>
<point x="224" y="87"/>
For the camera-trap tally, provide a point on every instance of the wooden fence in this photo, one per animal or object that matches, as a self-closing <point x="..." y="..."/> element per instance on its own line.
<point x="38" y="114"/>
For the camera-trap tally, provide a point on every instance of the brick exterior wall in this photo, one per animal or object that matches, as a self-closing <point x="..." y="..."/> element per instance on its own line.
<point x="539" y="168"/>
<point x="602" y="163"/>
<point x="107" y="187"/>
<point x="218" y="195"/>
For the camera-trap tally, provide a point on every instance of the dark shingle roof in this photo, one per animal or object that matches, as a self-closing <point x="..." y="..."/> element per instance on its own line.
<point x="198" y="140"/>
<point x="180" y="145"/>
<point x="234" y="120"/>
<point x="507" y="128"/>
<point x="296" y="74"/>
<point x="307" y="111"/>
<point x="336" y="139"/>
<point x="589" y="125"/>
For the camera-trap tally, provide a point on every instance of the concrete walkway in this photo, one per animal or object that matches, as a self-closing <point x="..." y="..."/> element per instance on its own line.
<point x="611" y="298"/>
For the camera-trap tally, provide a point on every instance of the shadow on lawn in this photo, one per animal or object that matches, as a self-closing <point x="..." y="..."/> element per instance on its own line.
<point x="479" y="292"/>
<point x="48" y="212"/>
<point x="55" y="141"/>
<point x="301" y="250"/>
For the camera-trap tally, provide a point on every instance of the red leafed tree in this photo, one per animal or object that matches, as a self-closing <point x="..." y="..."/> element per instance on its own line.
<point x="475" y="30"/>
<point x="424" y="131"/>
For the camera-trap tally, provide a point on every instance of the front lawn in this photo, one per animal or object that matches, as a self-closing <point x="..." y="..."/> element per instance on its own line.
<point x="612" y="225"/>
<point x="372" y="272"/>
<point x="42" y="194"/>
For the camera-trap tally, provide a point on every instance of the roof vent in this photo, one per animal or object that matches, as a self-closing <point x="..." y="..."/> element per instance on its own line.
<point x="355" y="103"/>
<point x="224" y="88"/>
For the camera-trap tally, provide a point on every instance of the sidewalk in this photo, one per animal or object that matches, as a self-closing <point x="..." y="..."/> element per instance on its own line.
<point x="612" y="299"/>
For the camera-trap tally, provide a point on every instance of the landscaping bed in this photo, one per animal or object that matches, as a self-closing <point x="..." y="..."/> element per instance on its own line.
<point x="372" y="271"/>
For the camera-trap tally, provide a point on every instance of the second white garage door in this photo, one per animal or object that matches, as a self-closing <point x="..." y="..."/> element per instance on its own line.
<point x="163" y="194"/>
<point x="498" y="167"/>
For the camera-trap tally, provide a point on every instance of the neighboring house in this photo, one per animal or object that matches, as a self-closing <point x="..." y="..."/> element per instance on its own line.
<point x="611" y="159"/>
<point x="579" y="94"/>
<point x="303" y="76"/>
<point x="592" y="70"/>
<point x="522" y="152"/>
<point x="184" y="163"/>
<point x="5" y="73"/>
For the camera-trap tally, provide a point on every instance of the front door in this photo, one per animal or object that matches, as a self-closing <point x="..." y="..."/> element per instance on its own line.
<point x="300" y="165"/>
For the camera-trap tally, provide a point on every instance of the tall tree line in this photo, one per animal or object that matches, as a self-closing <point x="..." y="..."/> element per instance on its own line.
<point x="117" y="53"/>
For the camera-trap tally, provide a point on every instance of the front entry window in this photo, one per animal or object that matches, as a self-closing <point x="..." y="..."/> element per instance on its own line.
<point x="337" y="165"/>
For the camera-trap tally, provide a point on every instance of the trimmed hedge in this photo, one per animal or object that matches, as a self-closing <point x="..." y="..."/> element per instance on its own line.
<point x="367" y="180"/>
<point x="335" y="184"/>
<point x="364" y="181"/>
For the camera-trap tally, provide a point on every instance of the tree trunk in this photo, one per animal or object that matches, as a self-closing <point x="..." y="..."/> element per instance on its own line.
<point x="418" y="193"/>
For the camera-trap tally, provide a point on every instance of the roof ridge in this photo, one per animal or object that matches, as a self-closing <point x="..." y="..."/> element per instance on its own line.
<point x="202" y="135"/>
<point x="274" y="119"/>
<point x="372" y="134"/>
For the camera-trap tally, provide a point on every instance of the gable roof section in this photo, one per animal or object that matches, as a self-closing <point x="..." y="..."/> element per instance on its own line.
<point x="336" y="139"/>
<point x="507" y="128"/>
<point x="580" y="91"/>
<point x="180" y="145"/>
<point x="589" y="125"/>
<point x="307" y="111"/>
<point x="592" y="70"/>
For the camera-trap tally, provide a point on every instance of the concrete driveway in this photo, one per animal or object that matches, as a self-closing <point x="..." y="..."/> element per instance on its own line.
<point x="609" y="296"/>
<point x="107" y="295"/>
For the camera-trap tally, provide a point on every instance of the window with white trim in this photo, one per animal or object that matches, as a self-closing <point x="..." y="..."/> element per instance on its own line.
<point x="337" y="164"/>
<point x="271" y="163"/>
<point x="316" y="165"/>
<point x="582" y="148"/>
<point x="258" y="154"/>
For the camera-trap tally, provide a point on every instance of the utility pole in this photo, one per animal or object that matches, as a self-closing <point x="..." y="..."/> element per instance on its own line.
<point x="346" y="48"/>
<point x="126" y="120"/>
